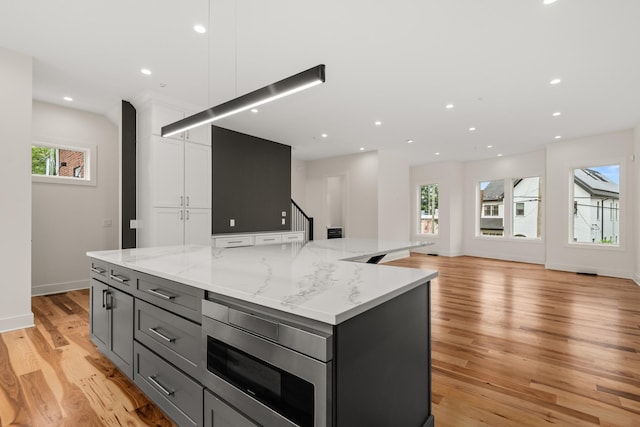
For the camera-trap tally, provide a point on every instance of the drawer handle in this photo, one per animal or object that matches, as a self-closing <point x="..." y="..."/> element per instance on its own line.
<point x="163" y="336"/>
<point x="160" y="387"/>
<point x="269" y="240"/>
<point x="161" y="295"/>
<point x="232" y="242"/>
<point x="118" y="278"/>
<point x="98" y="270"/>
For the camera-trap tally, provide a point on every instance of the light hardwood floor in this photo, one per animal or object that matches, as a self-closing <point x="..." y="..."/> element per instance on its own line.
<point x="513" y="345"/>
<point x="516" y="345"/>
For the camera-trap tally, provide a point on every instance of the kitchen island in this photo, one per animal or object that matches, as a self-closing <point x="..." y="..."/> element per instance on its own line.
<point x="287" y="334"/>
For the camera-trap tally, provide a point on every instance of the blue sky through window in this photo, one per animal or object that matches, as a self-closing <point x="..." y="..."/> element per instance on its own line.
<point x="611" y="171"/>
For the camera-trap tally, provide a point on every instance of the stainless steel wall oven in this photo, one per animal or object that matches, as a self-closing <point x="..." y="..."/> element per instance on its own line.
<point x="273" y="370"/>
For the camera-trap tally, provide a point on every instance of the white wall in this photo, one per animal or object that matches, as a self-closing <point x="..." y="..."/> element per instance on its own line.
<point x="562" y="158"/>
<point x="68" y="219"/>
<point x="393" y="197"/>
<point x="508" y="248"/>
<point x="636" y="162"/>
<point x="361" y="178"/>
<point x="299" y="181"/>
<point x="449" y="177"/>
<point x="15" y="190"/>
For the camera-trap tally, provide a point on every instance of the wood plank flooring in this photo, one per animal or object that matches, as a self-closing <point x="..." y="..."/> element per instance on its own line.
<point x="52" y="375"/>
<point x="513" y="345"/>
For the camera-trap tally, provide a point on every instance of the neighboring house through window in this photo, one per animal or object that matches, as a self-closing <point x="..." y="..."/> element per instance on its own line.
<point x="62" y="164"/>
<point x="596" y="205"/>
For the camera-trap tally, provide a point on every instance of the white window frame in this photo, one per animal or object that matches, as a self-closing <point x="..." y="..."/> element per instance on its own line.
<point x="620" y="206"/>
<point x="90" y="163"/>
<point x="419" y="225"/>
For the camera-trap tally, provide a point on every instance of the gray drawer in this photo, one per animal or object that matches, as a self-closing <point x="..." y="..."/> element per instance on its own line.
<point x="180" y="397"/>
<point x="99" y="270"/>
<point x="218" y="413"/>
<point x="176" y="339"/>
<point x="122" y="278"/>
<point x="178" y="298"/>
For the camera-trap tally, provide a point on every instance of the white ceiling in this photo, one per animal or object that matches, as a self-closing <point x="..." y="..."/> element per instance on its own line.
<point x="398" y="61"/>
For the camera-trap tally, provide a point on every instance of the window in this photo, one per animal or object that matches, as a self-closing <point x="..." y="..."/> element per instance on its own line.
<point x="61" y="164"/>
<point x="596" y="201"/>
<point x="491" y="196"/>
<point x="527" y="211"/>
<point x="429" y="209"/>
<point x="491" y="210"/>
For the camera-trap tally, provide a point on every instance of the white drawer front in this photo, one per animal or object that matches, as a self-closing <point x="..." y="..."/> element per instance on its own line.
<point x="231" y="242"/>
<point x="292" y="237"/>
<point x="268" y="239"/>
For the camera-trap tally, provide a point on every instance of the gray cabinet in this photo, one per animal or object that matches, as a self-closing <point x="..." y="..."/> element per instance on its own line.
<point x="112" y="324"/>
<point x="176" y="393"/>
<point x="218" y="413"/>
<point x="176" y="339"/>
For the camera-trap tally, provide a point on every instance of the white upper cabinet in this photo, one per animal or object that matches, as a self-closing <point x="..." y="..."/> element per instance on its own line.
<point x="162" y="115"/>
<point x="197" y="176"/>
<point x="173" y="179"/>
<point x="168" y="172"/>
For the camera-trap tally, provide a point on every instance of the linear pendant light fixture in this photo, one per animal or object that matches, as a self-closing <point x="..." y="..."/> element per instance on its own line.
<point x="296" y="83"/>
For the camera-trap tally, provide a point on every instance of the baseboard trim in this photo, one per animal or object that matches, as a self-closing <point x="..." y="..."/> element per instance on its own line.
<point x="17" y="322"/>
<point x="589" y="269"/>
<point x="56" y="288"/>
<point x="507" y="257"/>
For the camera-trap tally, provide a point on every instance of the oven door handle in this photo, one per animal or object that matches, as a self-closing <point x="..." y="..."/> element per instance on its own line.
<point x="255" y="324"/>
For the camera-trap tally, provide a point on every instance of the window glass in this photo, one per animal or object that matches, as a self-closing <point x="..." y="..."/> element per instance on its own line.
<point x="429" y="209"/>
<point x="596" y="205"/>
<point x="491" y="198"/>
<point x="527" y="210"/>
<point x="61" y="164"/>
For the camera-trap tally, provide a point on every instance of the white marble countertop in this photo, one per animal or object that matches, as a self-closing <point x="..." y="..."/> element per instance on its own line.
<point x="317" y="280"/>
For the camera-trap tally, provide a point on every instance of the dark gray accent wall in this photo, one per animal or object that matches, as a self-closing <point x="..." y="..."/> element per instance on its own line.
<point x="251" y="183"/>
<point x="128" y="174"/>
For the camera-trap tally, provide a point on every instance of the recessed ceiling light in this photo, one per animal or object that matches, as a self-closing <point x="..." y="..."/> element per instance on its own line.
<point x="378" y="123"/>
<point x="199" y="29"/>
<point x="409" y="141"/>
<point x="489" y="146"/>
<point x="146" y="71"/>
<point x="448" y="106"/>
<point x="549" y="1"/>
<point x="437" y="154"/>
<point x="557" y="113"/>
<point x="361" y="148"/>
<point x="324" y="135"/>
<point x="472" y="129"/>
<point x="254" y="110"/>
<point x="499" y="155"/>
<point x="555" y="81"/>
<point x="558" y="137"/>
<point x="68" y="98"/>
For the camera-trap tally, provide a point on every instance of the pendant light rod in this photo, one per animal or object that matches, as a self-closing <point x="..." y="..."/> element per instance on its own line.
<point x="296" y="83"/>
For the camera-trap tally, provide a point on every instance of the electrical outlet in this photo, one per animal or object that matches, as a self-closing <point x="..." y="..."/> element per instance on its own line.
<point x="133" y="224"/>
<point x="106" y="223"/>
<point x="284" y="213"/>
<point x="232" y="223"/>
<point x="284" y="221"/>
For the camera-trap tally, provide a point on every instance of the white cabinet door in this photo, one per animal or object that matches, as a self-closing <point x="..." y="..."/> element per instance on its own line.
<point x="197" y="176"/>
<point x="200" y="135"/>
<point x="163" y="115"/>
<point x="197" y="227"/>
<point x="168" y="227"/>
<point x="168" y="165"/>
